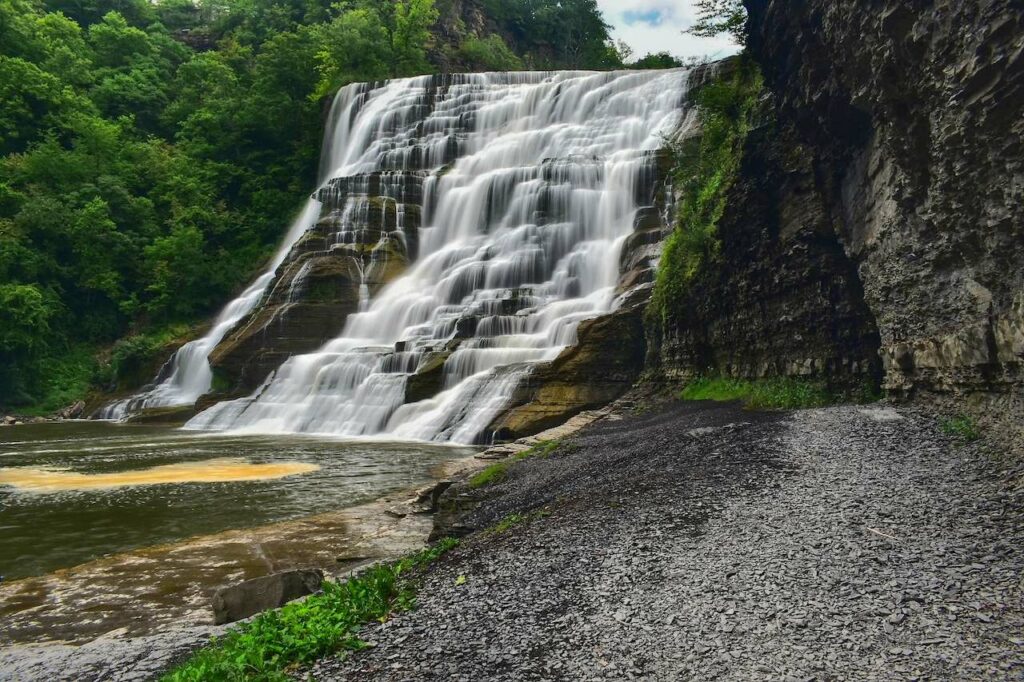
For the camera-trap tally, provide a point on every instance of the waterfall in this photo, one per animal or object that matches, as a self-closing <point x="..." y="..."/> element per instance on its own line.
<point x="187" y="375"/>
<point x="529" y="186"/>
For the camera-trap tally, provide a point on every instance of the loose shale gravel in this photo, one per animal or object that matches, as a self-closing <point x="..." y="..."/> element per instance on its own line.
<point x="705" y="542"/>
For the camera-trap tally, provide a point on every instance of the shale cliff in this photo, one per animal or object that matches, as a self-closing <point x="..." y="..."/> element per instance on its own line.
<point x="877" y="224"/>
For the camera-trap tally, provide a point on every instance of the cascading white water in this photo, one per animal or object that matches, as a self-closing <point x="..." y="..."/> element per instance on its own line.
<point x="187" y="375"/>
<point x="531" y="187"/>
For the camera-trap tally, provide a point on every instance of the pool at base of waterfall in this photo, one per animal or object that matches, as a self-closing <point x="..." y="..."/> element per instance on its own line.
<point x="74" y="492"/>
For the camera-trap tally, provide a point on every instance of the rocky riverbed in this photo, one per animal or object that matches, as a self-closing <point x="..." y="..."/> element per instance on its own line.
<point x="702" y="541"/>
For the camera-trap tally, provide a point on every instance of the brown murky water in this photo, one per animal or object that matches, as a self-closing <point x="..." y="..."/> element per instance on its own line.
<point x="221" y="470"/>
<point x="112" y="526"/>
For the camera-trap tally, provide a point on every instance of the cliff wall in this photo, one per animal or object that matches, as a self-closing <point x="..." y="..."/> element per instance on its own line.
<point x="877" y="226"/>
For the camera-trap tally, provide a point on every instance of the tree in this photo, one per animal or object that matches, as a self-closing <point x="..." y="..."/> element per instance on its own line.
<point x="490" y="54"/>
<point x="25" y="333"/>
<point x="715" y="17"/>
<point x="405" y="25"/>
<point x="656" y="60"/>
<point x="352" y="47"/>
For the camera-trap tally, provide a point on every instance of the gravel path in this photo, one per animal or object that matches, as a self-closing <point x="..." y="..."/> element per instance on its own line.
<point x="704" y="542"/>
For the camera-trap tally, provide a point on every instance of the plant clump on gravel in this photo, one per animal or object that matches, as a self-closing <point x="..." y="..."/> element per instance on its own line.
<point x="515" y="519"/>
<point x="497" y="472"/>
<point x="962" y="427"/>
<point x="301" y="632"/>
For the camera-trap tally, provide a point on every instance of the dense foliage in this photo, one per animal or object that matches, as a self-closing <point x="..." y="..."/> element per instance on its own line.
<point x="276" y="641"/>
<point x="151" y="153"/>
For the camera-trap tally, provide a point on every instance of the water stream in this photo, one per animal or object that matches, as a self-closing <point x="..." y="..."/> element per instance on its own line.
<point x="529" y="183"/>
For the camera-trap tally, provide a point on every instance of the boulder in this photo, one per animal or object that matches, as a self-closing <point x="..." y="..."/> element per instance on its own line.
<point x="428" y="379"/>
<point x="259" y="594"/>
<point x="73" y="411"/>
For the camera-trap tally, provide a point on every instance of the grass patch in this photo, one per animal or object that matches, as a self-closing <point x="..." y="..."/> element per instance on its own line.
<point x="494" y="473"/>
<point x="765" y="394"/>
<point x="275" y="642"/>
<point x="498" y="472"/>
<point x="963" y="428"/>
<point x="513" y="520"/>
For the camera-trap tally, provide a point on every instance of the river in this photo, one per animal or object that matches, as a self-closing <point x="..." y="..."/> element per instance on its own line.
<point x="125" y="521"/>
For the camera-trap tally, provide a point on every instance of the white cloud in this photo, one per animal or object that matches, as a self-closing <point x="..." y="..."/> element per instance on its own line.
<point x="665" y="34"/>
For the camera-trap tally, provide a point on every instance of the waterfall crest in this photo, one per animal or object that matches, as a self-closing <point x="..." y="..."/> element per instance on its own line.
<point x="525" y="186"/>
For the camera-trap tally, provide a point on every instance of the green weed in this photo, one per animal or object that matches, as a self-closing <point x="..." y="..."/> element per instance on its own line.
<point x="273" y="643"/>
<point x="768" y="394"/>
<point x="515" y="519"/>
<point x="498" y="472"/>
<point x="963" y="428"/>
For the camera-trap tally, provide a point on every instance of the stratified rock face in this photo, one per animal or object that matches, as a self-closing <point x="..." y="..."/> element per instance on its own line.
<point x="914" y="114"/>
<point x="365" y="237"/>
<point x="782" y="298"/>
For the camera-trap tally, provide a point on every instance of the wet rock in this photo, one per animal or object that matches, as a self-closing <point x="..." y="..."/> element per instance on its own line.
<point x="605" y="362"/>
<point x="163" y="415"/>
<point x="259" y="594"/>
<point x="428" y="379"/>
<point x="73" y="411"/>
<point x="320" y="283"/>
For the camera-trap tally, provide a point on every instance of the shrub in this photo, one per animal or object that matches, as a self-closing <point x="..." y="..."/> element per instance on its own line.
<point x="300" y="632"/>
<point x="490" y="53"/>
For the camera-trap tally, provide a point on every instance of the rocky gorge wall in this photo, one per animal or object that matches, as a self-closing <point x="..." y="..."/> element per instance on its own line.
<point x="877" y="226"/>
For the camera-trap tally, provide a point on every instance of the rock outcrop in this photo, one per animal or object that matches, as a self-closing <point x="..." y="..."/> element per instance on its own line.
<point x="365" y="238"/>
<point x="876" y="231"/>
<point x="912" y="112"/>
<point x="782" y="298"/>
<point x="246" y="598"/>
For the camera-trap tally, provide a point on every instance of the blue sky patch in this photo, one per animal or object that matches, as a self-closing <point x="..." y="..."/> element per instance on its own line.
<point x="652" y="17"/>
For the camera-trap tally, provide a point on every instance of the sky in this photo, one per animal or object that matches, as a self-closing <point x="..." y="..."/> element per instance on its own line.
<point x="658" y="25"/>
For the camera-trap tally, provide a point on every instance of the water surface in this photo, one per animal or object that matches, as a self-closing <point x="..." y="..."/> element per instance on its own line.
<point x="74" y="492"/>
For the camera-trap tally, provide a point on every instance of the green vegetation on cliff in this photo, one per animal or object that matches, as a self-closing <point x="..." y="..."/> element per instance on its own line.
<point x="301" y="632"/>
<point x="152" y="153"/>
<point x="705" y="168"/>
<point x="782" y="393"/>
<point x="777" y="393"/>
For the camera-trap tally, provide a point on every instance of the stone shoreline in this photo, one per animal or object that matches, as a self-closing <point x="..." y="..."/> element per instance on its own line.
<point x="689" y="541"/>
<point x="701" y="541"/>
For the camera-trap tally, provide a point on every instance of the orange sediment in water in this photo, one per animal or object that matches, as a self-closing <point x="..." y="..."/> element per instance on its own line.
<point x="206" y="471"/>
